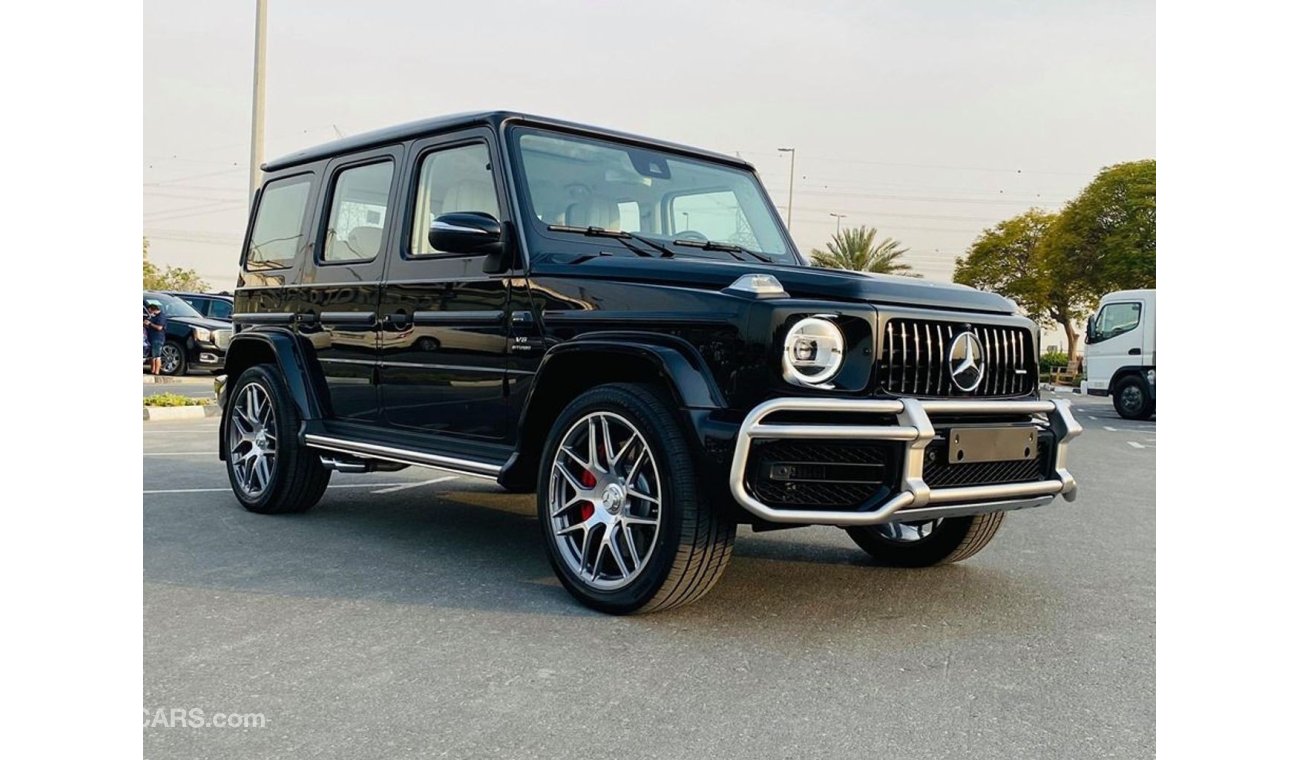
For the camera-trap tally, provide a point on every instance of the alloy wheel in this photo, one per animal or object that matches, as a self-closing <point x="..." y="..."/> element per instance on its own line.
<point x="604" y="500"/>
<point x="251" y="440"/>
<point x="171" y="358"/>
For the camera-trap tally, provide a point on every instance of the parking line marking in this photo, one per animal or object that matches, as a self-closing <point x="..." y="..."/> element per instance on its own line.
<point x="179" y="453"/>
<point x="1108" y="427"/>
<point x="1136" y="445"/>
<point x="405" y="486"/>
<point x="227" y="488"/>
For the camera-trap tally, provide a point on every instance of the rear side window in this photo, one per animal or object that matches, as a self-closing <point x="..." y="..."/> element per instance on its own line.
<point x="358" y="211"/>
<point x="277" y="233"/>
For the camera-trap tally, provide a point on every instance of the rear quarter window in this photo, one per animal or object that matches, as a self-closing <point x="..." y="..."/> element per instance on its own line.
<point x="278" y="230"/>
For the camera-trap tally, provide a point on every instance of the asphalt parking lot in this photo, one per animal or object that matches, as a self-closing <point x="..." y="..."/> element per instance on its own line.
<point x="414" y="614"/>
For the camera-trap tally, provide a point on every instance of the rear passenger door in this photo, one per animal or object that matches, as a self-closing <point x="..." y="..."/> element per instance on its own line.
<point x="444" y="320"/>
<point x="336" y="304"/>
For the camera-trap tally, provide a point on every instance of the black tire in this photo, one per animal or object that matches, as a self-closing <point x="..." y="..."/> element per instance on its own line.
<point x="693" y="540"/>
<point x="297" y="478"/>
<point x="1132" y="400"/>
<point x="952" y="540"/>
<point x="178" y="351"/>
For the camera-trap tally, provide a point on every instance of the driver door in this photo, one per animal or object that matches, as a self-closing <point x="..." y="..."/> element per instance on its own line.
<point x="443" y="320"/>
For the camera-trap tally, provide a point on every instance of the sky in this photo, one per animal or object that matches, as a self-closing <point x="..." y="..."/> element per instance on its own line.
<point x="929" y="120"/>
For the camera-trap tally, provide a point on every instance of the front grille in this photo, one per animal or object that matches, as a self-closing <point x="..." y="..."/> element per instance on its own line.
<point x="222" y="337"/>
<point x="940" y="473"/>
<point x="914" y="359"/>
<point x="818" y="474"/>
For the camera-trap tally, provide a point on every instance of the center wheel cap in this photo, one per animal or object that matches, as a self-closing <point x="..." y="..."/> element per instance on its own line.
<point x="613" y="498"/>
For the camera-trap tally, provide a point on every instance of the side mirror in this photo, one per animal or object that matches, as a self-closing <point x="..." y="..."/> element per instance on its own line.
<point x="466" y="232"/>
<point x="1090" y="331"/>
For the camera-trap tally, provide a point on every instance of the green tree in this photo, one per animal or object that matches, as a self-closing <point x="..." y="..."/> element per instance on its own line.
<point x="1009" y="259"/>
<point x="1056" y="266"/>
<point x="857" y="250"/>
<point x="1105" y="239"/>
<point x="171" y="278"/>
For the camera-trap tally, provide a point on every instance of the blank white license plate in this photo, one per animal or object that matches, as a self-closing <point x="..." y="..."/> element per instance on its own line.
<point x="992" y="444"/>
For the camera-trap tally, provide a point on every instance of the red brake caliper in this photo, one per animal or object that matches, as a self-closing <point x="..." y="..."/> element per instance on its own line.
<point x="586" y="509"/>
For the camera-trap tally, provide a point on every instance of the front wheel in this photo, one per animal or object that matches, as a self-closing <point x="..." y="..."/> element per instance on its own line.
<point x="625" y="526"/>
<point x="922" y="543"/>
<point x="1132" y="401"/>
<point x="173" y="359"/>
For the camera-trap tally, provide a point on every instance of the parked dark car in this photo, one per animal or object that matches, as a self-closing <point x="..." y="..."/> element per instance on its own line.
<point x="624" y="327"/>
<point x="211" y="305"/>
<point x="193" y="340"/>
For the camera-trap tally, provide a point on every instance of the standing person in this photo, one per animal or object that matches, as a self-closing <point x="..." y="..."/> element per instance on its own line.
<point x="156" y="326"/>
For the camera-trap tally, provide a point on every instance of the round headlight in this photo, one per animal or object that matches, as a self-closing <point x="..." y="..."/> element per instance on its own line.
<point x="814" y="351"/>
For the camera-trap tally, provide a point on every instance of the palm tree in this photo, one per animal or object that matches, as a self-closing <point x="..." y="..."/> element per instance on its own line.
<point x="856" y="250"/>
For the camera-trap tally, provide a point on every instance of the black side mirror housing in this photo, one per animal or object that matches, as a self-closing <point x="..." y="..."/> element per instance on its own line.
<point x="466" y="232"/>
<point x="475" y="232"/>
<point x="1090" y="331"/>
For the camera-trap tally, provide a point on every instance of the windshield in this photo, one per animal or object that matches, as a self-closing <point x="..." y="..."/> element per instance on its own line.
<point x="583" y="182"/>
<point x="171" y="305"/>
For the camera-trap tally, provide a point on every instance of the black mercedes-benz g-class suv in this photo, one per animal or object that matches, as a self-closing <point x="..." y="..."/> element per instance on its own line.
<point x="623" y="326"/>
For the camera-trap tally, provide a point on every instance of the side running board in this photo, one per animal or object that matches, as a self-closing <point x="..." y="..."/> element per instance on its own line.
<point x="403" y="456"/>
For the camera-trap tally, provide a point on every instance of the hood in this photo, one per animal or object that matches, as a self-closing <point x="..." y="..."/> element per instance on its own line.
<point x="211" y="324"/>
<point x="800" y="282"/>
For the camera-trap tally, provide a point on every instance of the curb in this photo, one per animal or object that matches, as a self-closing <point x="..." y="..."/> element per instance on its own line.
<point x="160" y="379"/>
<point x="155" y="413"/>
<point x="1059" y="388"/>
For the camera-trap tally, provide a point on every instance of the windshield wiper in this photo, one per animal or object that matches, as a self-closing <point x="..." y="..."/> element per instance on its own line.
<point x="618" y="235"/>
<point x="731" y="248"/>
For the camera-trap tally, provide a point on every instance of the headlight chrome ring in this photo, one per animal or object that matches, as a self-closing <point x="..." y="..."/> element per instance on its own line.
<point x="813" y="352"/>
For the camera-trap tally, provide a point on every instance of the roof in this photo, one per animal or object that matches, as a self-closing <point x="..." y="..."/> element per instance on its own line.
<point x="1118" y="295"/>
<point x="494" y="119"/>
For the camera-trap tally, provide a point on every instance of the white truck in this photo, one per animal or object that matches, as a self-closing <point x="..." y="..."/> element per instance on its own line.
<point x="1120" y="352"/>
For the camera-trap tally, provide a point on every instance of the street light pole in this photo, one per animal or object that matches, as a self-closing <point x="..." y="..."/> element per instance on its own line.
<point x="789" y="206"/>
<point x="259" y="102"/>
<point x="838" y="217"/>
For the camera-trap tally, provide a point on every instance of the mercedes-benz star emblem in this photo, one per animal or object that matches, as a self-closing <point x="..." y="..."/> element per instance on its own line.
<point x="966" y="361"/>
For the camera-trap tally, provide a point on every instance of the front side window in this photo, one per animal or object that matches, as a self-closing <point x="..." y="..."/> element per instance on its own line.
<point x="1117" y="319"/>
<point x="277" y="233"/>
<point x="358" y="210"/>
<point x="585" y="182"/>
<point x="451" y="180"/>
<point x="220" y="309"/>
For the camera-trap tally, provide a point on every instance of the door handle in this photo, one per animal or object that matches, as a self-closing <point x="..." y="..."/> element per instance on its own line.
<point x="1135" y="351"/>
<point x="349" y="318"/>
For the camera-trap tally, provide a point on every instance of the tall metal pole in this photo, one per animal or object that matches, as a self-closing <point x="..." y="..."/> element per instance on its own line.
<point x="259" y="102"/>
<point x="789" y="206"/>
<point x="838" y="217"/>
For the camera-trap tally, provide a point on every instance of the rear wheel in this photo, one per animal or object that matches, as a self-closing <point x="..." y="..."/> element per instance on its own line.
<point x="173" y="358"/>
<point x="922" y="543"/>
<point x="1132" y="401"/>
<point x="269" y="471"/>
<point x="625" y="526"/>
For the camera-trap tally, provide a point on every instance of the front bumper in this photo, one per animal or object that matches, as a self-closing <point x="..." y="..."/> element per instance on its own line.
<point x="913" y="499"/>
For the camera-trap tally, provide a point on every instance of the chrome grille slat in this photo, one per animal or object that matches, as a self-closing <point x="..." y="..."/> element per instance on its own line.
<point x="930" y="364"/>
<point x="914" y="359"/>
<point x="1001" y="339"/>
<point x="1020" y="354"/>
